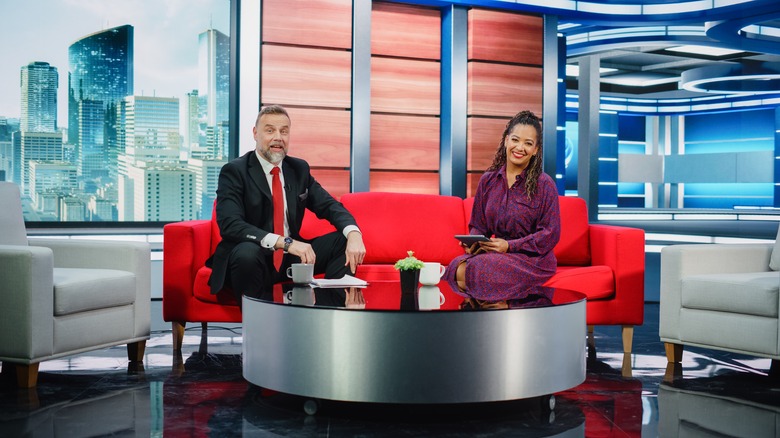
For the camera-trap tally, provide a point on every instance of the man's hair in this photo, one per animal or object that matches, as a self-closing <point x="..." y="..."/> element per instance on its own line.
<point x="271" y="109"/>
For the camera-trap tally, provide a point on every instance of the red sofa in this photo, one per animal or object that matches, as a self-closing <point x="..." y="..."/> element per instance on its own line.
<point x="604" y="262"/>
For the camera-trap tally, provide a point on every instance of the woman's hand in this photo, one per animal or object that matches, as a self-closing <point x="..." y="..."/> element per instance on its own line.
<point x="495" y="245"/>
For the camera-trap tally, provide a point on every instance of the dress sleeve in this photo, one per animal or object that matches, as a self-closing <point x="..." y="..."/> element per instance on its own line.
<point x="478" y="222"/>
<point x="548" y="225"/>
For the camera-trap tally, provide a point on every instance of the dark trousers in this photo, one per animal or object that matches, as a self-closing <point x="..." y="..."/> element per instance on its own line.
<point x="251" y="268"/>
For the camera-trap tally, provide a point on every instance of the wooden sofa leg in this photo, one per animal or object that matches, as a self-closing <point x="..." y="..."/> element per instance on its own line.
<point x="27" y="375"/>
<point x="135" y="351"/>
<point x="177" y="331"/>
<point x="674" y="352"/>
<point x="628" y="338"/>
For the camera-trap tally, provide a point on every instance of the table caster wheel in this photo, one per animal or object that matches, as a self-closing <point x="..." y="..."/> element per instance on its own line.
<point x="311" y="406"/>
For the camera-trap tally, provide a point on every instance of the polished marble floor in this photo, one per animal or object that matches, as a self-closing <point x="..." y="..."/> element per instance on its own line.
<point x="202" y="393"/>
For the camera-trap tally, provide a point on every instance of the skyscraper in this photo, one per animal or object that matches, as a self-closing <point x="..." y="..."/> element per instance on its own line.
<point x="100" y="70"/>
<point x="39" y="97"/>
<point x="213" y="84"/>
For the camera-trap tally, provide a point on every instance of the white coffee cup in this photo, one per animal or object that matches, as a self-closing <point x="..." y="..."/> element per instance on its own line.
<point x="431" y="273"/>
<point x="300" y="295"/>
<point x="301" y="273"/>
<point x="429" y="298"/>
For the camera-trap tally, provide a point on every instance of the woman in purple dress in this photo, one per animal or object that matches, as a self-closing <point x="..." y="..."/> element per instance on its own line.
<point x="516" y="204"/>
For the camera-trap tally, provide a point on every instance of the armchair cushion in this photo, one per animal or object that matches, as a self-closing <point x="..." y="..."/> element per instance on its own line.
<point x="754" y="293"/>
<point x="78" y="290"/>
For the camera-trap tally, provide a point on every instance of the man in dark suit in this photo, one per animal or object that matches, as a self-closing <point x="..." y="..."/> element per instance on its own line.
<point x="244" y="259"/>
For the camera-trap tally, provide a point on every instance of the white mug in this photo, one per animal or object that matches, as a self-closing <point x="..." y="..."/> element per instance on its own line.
<point x="300" y="295"/>
<point x="429" y="298"/>
<point x="431" y="273"/>
<point x="301" y="273"/>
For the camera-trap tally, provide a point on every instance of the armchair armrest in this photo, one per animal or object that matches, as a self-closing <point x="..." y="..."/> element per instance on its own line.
<point x="126" y="255"/>
<point x="680" y="261"/>
<point x="26" y="291"/>
<point x="623" y="250"/>
<point x="186" y="247"/>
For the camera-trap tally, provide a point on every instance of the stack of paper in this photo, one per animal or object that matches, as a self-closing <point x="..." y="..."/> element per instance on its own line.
<point x="345" y="281"/>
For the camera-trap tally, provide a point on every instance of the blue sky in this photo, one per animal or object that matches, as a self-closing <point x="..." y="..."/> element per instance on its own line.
<point x="166" y="41"/>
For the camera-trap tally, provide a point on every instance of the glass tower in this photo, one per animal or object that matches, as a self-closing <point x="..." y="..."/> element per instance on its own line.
<point x="213" y="85"/>
<point x="100" y="71"/>
<point x="39" y="97"/>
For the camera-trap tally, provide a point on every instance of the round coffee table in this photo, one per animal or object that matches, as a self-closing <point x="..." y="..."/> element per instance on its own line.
<point x="329" y="345"/>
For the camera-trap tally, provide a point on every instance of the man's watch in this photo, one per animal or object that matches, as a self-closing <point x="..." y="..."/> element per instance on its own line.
<point x="287" y="242"/>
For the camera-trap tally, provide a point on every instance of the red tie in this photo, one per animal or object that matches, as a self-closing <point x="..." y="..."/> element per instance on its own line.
<point x="278" y="197"/>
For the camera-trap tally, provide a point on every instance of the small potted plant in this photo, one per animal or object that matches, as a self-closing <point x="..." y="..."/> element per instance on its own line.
<point x="409" y="268"/>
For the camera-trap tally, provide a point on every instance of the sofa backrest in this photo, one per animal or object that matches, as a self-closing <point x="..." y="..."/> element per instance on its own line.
<point x="573" y="249"/>
<point x="393" y="223"/>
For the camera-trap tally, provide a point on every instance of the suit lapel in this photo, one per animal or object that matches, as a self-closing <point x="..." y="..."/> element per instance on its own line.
<point x="258" y="177"/>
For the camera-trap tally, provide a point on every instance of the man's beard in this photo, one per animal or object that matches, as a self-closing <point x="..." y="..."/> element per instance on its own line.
<point x="273" y="157"/>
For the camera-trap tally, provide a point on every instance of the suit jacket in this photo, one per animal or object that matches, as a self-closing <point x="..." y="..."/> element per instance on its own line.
<point x="245" y="207"/>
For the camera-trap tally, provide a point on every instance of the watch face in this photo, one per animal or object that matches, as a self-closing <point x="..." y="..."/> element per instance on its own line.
<point x="288" y="240"/>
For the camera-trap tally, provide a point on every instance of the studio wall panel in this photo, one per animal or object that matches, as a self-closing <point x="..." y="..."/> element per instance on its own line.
<point x="404" y="142"/>
<point x="405" y="182"/>
<point x="320" y="136"/>
<point x="472" y="181"/>
<point x="322" y="23"/>
<point x="405" y="31"/>
<point x="405" y="86"/>
<point x="505" y="37"/>
<point x="503" y="90"/>
<point x="484" y="136"/>
<point x="306" y="76"/>
<point x="336" y="182"/>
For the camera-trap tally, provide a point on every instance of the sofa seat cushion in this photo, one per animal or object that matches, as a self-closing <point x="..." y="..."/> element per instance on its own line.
<point x="754" y="293"/>
<point x="596" y="282"/>
<point x="377" y="272"/>
<point x="79" y="290"/>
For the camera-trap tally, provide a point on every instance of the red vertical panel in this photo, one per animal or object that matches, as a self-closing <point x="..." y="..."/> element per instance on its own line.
<point x="404" y="142"/>
<point x="484" y="136"/>
<point x="504" y="90"/>
<point x="405" y="31"/>
<point x="320" y="23"/>
<point x="505" y="37"/>
<point x="405" y="86"/>
<point x="405" y="182"/>
<point x="336" y="182"/>
<point x="306" y="76"/>
<point x="320" y="136"/>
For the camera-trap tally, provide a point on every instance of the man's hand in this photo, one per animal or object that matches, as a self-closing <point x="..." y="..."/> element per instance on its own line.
<point x="356" y="251"/>
<point x="300" y="249"/>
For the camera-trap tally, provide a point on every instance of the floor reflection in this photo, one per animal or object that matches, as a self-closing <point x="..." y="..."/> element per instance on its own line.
<point x="202" y="392"/>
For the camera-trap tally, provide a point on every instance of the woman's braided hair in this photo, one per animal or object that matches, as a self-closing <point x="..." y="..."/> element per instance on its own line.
<point x="535" y="166"/>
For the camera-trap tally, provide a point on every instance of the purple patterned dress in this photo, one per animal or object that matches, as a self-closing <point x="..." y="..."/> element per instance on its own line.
<point x="530" y="226"/>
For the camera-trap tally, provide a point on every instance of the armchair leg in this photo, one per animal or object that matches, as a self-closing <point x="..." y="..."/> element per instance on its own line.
<point x="135" y="351"/>
<point x="674" y="352"/>
<point x="27" y="375"/>
<point x="628" y="338"/>
<point x="177" y="331"/>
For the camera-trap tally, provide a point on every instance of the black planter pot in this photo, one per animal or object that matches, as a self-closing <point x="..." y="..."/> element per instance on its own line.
<point x="410" y="281"/>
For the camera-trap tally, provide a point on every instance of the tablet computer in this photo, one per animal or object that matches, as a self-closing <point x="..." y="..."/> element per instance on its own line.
<point x="469" y="239"/>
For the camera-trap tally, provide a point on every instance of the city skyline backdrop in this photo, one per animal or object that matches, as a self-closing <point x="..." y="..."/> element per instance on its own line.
<point x="166" y="42"/>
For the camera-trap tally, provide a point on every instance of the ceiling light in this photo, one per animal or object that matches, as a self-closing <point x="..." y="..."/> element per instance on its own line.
<point x="704" y="50"/>
<point x="574" y="70"/>
<point x="733" y="78"/>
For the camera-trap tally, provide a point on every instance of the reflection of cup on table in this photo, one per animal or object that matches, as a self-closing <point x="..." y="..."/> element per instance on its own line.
<point x="429" y="298"/>
<point x="431" y="273"/>
<point x="300" y="295"/>
<point x="301" y="273"/>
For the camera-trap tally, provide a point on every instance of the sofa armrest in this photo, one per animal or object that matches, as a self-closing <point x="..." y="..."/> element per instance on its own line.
<point x="126" y="255"/>
<point x="623" y="250"/>
<point x="186" y="247"/>
<point x="26" y="291"/>
<point x="680" y="261"/>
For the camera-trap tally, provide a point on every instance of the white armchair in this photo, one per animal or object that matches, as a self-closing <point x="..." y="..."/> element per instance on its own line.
<point x="721" y="296"/>
<point x="61" y="296"/>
